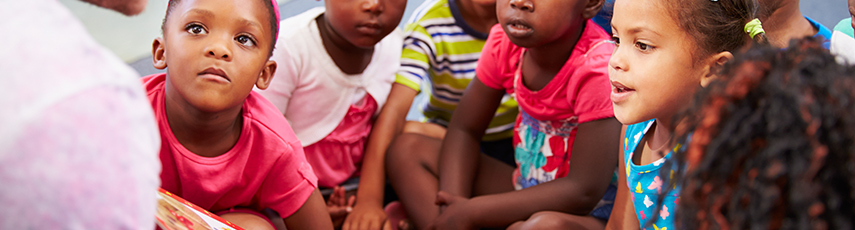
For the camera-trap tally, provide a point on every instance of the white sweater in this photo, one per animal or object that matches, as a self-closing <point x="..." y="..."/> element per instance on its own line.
<point x="308" y="87"/>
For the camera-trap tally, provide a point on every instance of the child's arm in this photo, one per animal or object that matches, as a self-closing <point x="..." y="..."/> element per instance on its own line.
<point x="623" y="212"/>
<point x="312" y="215"/>
<point x="459" y="154"/>
<point x="368" y="212"/>
<point x="594" y="157"/>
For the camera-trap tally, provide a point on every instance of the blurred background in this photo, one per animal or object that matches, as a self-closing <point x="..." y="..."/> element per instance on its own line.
<point x="130" y="37"/>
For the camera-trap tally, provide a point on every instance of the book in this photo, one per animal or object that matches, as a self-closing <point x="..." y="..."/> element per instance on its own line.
<point x="175" y="213"/>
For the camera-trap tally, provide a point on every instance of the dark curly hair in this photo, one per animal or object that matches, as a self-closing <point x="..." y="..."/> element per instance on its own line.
<point x="771" y="144"/>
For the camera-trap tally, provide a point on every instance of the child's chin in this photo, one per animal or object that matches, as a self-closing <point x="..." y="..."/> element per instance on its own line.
<point x="624" y="117"/>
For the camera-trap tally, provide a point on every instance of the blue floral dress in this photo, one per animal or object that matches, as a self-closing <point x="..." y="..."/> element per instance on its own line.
<point x="645" y="184"/>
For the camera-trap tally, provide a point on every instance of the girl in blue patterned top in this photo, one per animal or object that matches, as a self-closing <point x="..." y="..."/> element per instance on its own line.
<point x="667" y="50"/>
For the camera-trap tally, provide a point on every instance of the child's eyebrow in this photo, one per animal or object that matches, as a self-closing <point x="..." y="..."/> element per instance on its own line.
<point x="250" y="23"/>
<point x="641" y="28"/>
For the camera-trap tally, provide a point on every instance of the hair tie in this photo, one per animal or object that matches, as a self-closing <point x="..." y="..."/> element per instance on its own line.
<point x="754" y="27"/>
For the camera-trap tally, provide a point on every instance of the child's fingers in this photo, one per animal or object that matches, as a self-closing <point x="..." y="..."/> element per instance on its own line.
<point x="351" y="201"/>
<point x="444" y="198"/>
<point x="337" y="196"/>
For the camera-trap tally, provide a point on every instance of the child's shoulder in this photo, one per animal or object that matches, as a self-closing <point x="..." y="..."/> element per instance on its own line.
<point x="266" y="118"/>
<point x="152" y="83"/>
<point x="635" y="131"/>
<point x="845" y="27"/>
<point x="296" y="25"/>
<point x="429" y="10"/>
<point x="595" y="41"/>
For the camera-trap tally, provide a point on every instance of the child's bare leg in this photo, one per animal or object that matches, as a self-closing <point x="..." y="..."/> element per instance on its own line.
<point x="558" y="220"/>
<point x="412" y="169"/>
<point x="248" y="221"/>
<point x="493" y="176"/>
<point x="411" y="162"/>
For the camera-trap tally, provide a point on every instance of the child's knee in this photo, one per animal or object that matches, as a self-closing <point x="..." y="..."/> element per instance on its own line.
<point x="248" y="221"/>
<point x="425" y="128"/>
<point x="544" y="220"/>
<point x="558" y="220"/>
<point x="406" y="147"/>
<point x="411" y="148"/>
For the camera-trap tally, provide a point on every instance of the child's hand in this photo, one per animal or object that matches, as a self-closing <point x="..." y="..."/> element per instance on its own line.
<point x="339" y="206"/>
<point x="455" y="215"/>
<point x="365" y="217"/>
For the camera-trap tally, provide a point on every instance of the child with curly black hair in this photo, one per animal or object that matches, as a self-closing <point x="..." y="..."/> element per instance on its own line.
<point x="771" y="144"/>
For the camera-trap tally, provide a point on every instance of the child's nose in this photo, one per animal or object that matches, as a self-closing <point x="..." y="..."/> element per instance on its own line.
<point x="372" y="6"/>
<point x="616" y="62"/>
<point x="525" y="5"/>
<point x="218" y="50"/>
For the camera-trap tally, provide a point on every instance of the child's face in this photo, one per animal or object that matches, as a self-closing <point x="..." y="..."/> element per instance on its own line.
<point x="533" y="23"/>
<point x="363" y="23"/>
<point x="852" y="12"/>
<point x="216" y="50"/>
<point x="653" y="70"/>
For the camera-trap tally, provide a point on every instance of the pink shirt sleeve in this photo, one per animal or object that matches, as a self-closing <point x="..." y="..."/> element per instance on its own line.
<point x="589" y="89"/>
<point x="289" y="183"/>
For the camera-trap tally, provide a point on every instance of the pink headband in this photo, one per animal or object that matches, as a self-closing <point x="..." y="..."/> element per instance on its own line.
<point x="276" y="11"/>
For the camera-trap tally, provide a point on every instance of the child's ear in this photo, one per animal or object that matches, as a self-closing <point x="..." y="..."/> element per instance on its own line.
<point x="592" y="7"/>
<point x="266" y="75"/>
<point x="715" y="65"/>
<point x="158" y="53"/>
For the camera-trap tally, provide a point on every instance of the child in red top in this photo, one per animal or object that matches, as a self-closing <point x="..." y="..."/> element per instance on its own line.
<point x="554" y="60"/>
<point x="225" y="147"/>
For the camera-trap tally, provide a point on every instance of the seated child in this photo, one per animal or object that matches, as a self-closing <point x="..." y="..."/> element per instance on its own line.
<point x="336" y="67"/>
<point x="771" y="144"/>
<point x="843" y="40"/>
<point x="553" y="58"/>
<point x="442" y="44"/>
<point x="783" y="21"/>
<point x="224" y="147"/>
<point x="666" y="51"/>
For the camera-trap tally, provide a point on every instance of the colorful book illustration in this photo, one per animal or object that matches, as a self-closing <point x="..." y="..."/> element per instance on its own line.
<point x="175" y="213"/>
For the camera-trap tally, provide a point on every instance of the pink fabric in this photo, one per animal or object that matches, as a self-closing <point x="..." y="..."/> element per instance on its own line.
<point x="265" y="169"/>
<point x="276" y="12"/>
<point x="545" y="130"/>
<point x="78" y="141"/>
<point x="338" y="156"/>
<point x="581" y="87"/>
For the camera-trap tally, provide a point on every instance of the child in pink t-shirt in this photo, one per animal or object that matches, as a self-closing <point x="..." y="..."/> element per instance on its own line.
<point x="224" y="147"/>
<point x="554" y="60"/>
<point x="336" y="68"/>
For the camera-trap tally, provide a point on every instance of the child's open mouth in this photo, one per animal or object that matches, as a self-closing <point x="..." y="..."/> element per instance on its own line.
<point x="518" y="28"/>
<point x="620" y="92"/>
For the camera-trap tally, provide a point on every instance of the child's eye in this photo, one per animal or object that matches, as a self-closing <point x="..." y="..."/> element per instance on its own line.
<point x="616" y="40"/>
<point x="643" y="47"/>
<point x="245" y="40"/>
<point x="195" y="29"/>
